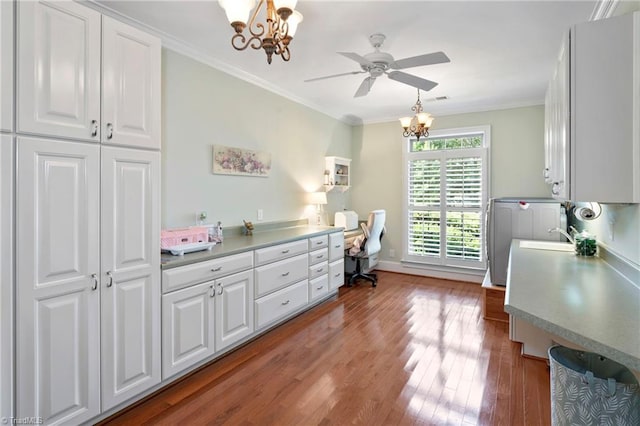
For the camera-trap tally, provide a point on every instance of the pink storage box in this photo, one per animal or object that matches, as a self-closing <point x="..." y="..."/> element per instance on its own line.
<point x="176" y="237"/>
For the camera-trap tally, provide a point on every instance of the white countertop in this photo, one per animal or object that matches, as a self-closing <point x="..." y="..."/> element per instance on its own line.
<point x="581" y="299"/>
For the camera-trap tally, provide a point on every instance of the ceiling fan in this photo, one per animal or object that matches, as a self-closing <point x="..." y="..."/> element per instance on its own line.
<point x="378" y="63"/>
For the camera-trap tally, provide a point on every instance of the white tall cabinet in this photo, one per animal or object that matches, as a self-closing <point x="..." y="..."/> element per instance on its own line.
<point x="6" y="275"/>
<point x="87" y="279"/>
<point x="6" y="66"/>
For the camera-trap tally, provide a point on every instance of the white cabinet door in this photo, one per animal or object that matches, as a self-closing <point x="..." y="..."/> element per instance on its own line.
<point x="57" y="235"/>
<point x="6" y="275"/>
<point x="130" y="86"/>
<point x="6" y="65"/>
<point x="234" y="308"/>
<point x="130" y="261"/>
<point x="336" y="246"/>
<point x="58" y="69"/>
<point x="336" y="274"/>
<point x="188" y="330"/>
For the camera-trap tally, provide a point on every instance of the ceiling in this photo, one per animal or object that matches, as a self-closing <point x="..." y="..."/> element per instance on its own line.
<point x="502" y="52"/>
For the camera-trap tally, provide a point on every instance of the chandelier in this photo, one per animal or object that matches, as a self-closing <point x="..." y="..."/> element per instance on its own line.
<point x="419" y="124"/>
<point x="273" y="36"/>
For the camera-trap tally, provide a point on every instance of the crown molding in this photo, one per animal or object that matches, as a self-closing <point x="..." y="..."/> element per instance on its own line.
<point x="603" y="9"/>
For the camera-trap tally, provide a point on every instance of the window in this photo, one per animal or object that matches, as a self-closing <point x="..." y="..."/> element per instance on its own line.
<point x="445" y="198"/>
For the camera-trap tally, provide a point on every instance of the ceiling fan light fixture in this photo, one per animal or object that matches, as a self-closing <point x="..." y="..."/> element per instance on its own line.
<point x="418" y="125"/>
<point x="274" y="35"/>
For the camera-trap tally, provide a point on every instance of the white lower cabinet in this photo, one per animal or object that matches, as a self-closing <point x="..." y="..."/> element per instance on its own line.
<point x="318" y="287"/>
<point x="283" y="302"/>
<point x="336" y="274"/>
<point x="234" y="309"/>
<point x="87" y="278"/>
<point x="188" y="327"/>
<point x="202" y="319"/>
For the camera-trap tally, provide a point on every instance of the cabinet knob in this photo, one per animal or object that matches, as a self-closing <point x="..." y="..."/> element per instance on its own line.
<point x="109" y="131"/>
<point x="94" y="286"/>
<point x="110" y="282"/>
<point x="94" y="128"/>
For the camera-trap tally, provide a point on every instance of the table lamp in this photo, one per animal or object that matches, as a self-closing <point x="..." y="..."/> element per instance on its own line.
<point x="319" y="199"/>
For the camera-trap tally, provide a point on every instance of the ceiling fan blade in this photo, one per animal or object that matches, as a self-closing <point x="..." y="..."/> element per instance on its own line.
<point x="334" y="75"/>
<point x="416" y="61"/>
<point x="412" y="80"/>
<point x="365" y="86"/>
<point x="355" y="57"/>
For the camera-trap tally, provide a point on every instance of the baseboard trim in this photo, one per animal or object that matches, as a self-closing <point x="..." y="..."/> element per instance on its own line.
<point x="427" y="271"/>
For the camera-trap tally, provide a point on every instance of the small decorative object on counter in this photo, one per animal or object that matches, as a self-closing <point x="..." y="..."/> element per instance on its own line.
<point x="585" y="244"/>
<point x="248" y="227"/>
<point x="216" y="233"/>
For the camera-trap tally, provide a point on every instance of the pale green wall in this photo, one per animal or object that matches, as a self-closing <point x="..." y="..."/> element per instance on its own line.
<point x="517" y="160"/>
<point x="201" y="107"/>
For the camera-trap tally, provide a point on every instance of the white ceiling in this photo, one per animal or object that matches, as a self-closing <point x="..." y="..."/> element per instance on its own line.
<point x="502" y="52"/>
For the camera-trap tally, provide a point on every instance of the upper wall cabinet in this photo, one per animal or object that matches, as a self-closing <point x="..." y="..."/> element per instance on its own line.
<point x="61" y="46"/>
<point x="593" y="105"/>
<point x="6" y="65"/>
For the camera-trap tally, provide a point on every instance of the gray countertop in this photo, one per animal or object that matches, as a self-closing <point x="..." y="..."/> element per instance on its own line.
<point x="239" y="244"/>
<point x="581" y="299"/>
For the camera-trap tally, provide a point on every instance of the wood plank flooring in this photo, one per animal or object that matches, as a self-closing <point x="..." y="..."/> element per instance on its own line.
<point x="414" y="350"/>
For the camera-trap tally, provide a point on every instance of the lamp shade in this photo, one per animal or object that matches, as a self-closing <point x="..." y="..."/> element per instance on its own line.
<point x="289" y="4"/>
<point x="317" y="198"/>
<point x="405" y="122"/>
<point x="293" y="21"/>
<point x="237" y="10"/>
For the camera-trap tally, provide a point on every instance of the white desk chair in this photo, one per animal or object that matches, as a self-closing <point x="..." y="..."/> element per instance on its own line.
<point x="373" y="232"/>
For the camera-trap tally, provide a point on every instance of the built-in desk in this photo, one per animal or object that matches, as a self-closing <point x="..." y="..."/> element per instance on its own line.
<point x="350" y="236"/>
<point x="581" y="299"/>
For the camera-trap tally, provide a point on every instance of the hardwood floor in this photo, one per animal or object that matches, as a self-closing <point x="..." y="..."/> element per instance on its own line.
<point x="414" y="350"/>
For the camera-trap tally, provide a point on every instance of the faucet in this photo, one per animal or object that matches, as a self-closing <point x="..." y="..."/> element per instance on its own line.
<point x="563" y="232"/>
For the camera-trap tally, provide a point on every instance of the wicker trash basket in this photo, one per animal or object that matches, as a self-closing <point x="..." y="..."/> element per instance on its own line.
<point x="589" y="389"/>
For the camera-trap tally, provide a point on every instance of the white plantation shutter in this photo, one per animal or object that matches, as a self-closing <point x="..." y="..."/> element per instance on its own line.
<point x="446" y="195"/>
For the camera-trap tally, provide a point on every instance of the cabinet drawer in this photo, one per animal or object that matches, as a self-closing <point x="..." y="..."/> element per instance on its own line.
<point x="281" y="251"/>
<point x="276" y="275"/>
<point x="318" y="256"/>
<point x="281" y="303"/>
<point x="318" y="287"/>
<point x="336" y="246"/>
<point x="184" y="276"/>
<point x="320" y="269"/>
<point x="318" y="242"/>
<point x="336" y="274"/>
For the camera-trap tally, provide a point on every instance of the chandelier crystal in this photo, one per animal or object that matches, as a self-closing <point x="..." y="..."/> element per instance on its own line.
<point x="419" y="124"/>
<point x="273" y="36"/>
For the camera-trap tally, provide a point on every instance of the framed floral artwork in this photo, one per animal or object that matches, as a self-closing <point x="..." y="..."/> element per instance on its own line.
<point x="238" y="161"/>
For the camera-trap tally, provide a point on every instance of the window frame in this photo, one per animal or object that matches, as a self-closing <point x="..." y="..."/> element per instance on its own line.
<point x="442" y="155"/>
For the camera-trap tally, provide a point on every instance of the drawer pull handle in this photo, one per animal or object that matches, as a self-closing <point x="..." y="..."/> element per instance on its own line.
<point x="213" y="291"/>
<point x="337" y="275"/>
<point x="94" y="128"/>
<point x="338" y="246"/>
<point x="110" y="275"/>
<point x="286" y="303"/>
<point x="284" y="274"/>
<point x="219" y="268"/>
<point x="319" y="270"/>
<point x="285" y="251"/>
<point x="320" y="256"/>
<point x="320" y="288"/>
<point x="109" y="131"/>
<point x="318" y="242"/>
<point x="221" y="288"/>
<point x="94" y="277"/>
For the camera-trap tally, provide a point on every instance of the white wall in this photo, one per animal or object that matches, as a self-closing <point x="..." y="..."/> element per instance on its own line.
<point x="202" y="106"/>
<point x="517" y="160"/>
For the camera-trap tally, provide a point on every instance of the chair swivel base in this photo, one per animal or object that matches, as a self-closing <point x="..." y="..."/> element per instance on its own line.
<point x="373" y="278"/>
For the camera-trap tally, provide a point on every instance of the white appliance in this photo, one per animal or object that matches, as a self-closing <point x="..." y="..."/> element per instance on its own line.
<point x="520" y="218"/>
<point x="346" y="219"/>
<point x="527" y="219"/>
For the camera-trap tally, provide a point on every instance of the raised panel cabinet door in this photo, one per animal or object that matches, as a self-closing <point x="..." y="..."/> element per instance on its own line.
<point x="6" y="65"/>
<point x="336" y="246"/>
<point x="234" y="308"/>
<point x="130" y="272"/>
<point x="57" y="267"/>
<point x="58" y="72"/>
<point x="188" y="329"/>
<point x="6" y="275"/>
<point x="130" y="86"/>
